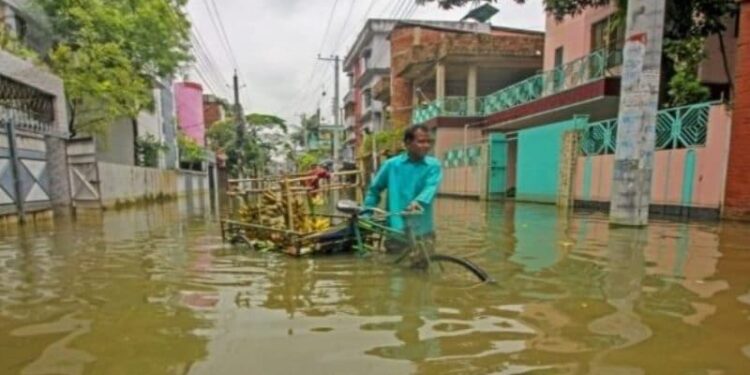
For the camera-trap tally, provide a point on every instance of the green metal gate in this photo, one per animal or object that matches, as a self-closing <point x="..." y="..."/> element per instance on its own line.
<point x="498" y="164"/>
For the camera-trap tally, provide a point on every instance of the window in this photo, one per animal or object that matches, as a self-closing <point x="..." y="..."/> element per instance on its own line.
<point x="609" y="35"/>
<point x="367" y="98"/>
<point x="559" y="77"/>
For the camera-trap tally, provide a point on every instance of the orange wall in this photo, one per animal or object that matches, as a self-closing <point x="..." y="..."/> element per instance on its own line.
<point x="669" y="170"/>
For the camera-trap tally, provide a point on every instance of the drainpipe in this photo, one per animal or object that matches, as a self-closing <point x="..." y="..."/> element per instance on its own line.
<point x="466" y="145"/>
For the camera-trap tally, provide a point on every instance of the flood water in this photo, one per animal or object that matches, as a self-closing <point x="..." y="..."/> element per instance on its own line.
<point x="154" y="291"/>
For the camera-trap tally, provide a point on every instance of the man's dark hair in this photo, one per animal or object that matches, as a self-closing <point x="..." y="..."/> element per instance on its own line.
<point x="411" y="132"/>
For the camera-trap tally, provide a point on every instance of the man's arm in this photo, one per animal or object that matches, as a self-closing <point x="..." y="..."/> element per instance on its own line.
<point x="379" y="183"/>
<point x="432" y="184"/>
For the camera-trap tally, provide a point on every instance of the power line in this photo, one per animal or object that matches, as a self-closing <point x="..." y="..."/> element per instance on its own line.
<point x="203" y="56"/>
<point x="343" y="28"/>
<point x="215" y="17"/>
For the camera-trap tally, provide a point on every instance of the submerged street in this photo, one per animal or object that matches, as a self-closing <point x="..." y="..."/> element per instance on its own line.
<point x="154" y="291"/>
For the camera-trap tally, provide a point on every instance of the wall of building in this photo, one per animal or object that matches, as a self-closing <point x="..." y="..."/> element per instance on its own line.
<point x="168" y="123"/>
<point x="691" y="177"/>
<point x="189" y="99"/>
<point x="464" y="180"/>
<point x="122" y="184"/>
<point x="45" y="170"/>
<point x="712" y="69"/>
<point x="538" y="162"/>
<point x="117" y="145"/>
<point x="738" y="178"/>
<point x="573" y="34"/>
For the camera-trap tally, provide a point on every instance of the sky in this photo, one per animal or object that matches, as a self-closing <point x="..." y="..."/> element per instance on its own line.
<point x="275" y="44"/>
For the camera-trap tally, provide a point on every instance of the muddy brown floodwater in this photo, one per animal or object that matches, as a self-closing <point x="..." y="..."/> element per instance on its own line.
<point x="154" y="291"/>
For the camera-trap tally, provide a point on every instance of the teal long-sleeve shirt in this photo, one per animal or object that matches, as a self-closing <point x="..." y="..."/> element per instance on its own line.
<point x="407" y="181"/>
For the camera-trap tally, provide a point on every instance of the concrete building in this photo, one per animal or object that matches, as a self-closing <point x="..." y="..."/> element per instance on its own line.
<point x="33" y="124"/>
<point x="366" y="64"/>
<point x="42" y="168"/>
<point x="550" y="137"/>
<point x="213" y="110"/>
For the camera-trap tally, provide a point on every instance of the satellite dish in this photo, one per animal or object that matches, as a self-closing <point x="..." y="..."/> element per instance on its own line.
<point x="481" y="14"/>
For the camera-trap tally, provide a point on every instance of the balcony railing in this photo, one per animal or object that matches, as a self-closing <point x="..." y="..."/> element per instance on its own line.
<point x="451" y="106"/>
<point x="565" y="77"/>
<point x="681" y="127"/>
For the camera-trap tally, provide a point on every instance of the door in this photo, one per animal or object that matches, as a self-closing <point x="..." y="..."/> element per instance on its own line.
<point x="559" y="76"/>
<point x="498" y="163"/>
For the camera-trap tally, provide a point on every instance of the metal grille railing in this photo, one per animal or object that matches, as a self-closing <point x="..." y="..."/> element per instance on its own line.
<point x="575" y="73"/>
<point x="460" y="157"/>
<point x="681" y="127"/>
<point x="26" y="107"/>
<point x="599" y="138"/>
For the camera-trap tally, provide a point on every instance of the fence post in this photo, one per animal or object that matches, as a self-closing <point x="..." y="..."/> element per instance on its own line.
<point x="15" y="165"/>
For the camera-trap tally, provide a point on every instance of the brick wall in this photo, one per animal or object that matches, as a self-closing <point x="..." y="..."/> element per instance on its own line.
<point x="212" y="113"/>
<point x="737" y="199"/>
<point x="402" y="40"/>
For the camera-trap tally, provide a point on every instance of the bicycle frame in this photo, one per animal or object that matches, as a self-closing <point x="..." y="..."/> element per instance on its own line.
<point x="357" y="224"/>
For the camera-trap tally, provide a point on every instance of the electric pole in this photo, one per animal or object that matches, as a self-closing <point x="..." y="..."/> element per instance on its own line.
<point x="240" y="125"/>
<point x="636" y="123"/>
<point x="336" y="116"/>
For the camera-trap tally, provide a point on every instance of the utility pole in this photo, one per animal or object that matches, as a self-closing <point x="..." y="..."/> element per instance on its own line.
<point x="239" y="123"/>
<point x="336" y="134"/>
<point x="636" y="123"/>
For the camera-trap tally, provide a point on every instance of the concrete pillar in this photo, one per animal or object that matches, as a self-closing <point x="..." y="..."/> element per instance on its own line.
<point x="471" y="90"/>
<point x="639" y="98"/>
<point x="440" y="81"/>
<point x="57" y="169"/>
<point x="737" y="195"/>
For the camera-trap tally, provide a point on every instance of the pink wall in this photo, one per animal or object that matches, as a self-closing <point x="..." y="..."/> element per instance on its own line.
<point x="669" y="169"/>
<point x="189" y="98"/>
<point x="459" y="180"/>
<point x="573" y="34"/>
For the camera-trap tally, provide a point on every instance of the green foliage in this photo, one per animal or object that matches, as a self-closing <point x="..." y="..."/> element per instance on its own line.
<point x="9" y="43"/>
<point x="148" y="149"/>
<point x="308" y="160"/>
<point x="385" y="140"/>
<point x="263" y="120"/>
<point x="686" y="56"/>
<point x="250" y="154"/>
<point x="190" y="151"/>
<point x="109" y="51"/>
<point x="222" y="135"/>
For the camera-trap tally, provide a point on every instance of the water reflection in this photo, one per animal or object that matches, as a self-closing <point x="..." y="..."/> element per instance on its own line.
<point x="154" y="291"/>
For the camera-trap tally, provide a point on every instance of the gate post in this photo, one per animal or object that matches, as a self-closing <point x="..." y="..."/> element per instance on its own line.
<point x="15" y="166"/>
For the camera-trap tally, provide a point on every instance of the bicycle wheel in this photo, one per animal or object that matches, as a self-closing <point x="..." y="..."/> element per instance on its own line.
<point x="240" y="239"/>
<point x="455" y="271"/>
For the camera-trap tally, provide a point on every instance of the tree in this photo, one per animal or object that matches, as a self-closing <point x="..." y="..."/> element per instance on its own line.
<point x="686" y="22"/>
<point x="257" y="147"/>
<point x="108" y="52"/>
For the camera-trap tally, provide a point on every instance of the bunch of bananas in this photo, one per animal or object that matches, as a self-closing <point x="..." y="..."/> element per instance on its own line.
<point x="314" y="224"/>
<point x="271" y="210"/>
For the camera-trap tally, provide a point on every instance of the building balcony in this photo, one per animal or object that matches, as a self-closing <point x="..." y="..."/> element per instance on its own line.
<point x="577" y="73"/>
<point x="382" y="89"/>
<point x="349" y="98"/>
<point x="518" y="50"/>
<point x="349" y="123"/>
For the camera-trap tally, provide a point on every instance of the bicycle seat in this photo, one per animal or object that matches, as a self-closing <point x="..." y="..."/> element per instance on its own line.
<point x="348" y="207"/>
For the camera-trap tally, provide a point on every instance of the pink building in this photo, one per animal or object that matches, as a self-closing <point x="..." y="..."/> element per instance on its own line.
<point x="189" y="98"/>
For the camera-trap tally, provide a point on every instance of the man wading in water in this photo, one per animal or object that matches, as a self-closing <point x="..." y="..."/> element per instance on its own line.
<point x="411" y="180"/>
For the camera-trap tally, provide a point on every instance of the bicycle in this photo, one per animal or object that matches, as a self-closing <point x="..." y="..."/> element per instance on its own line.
<point x="369" y="235"/>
